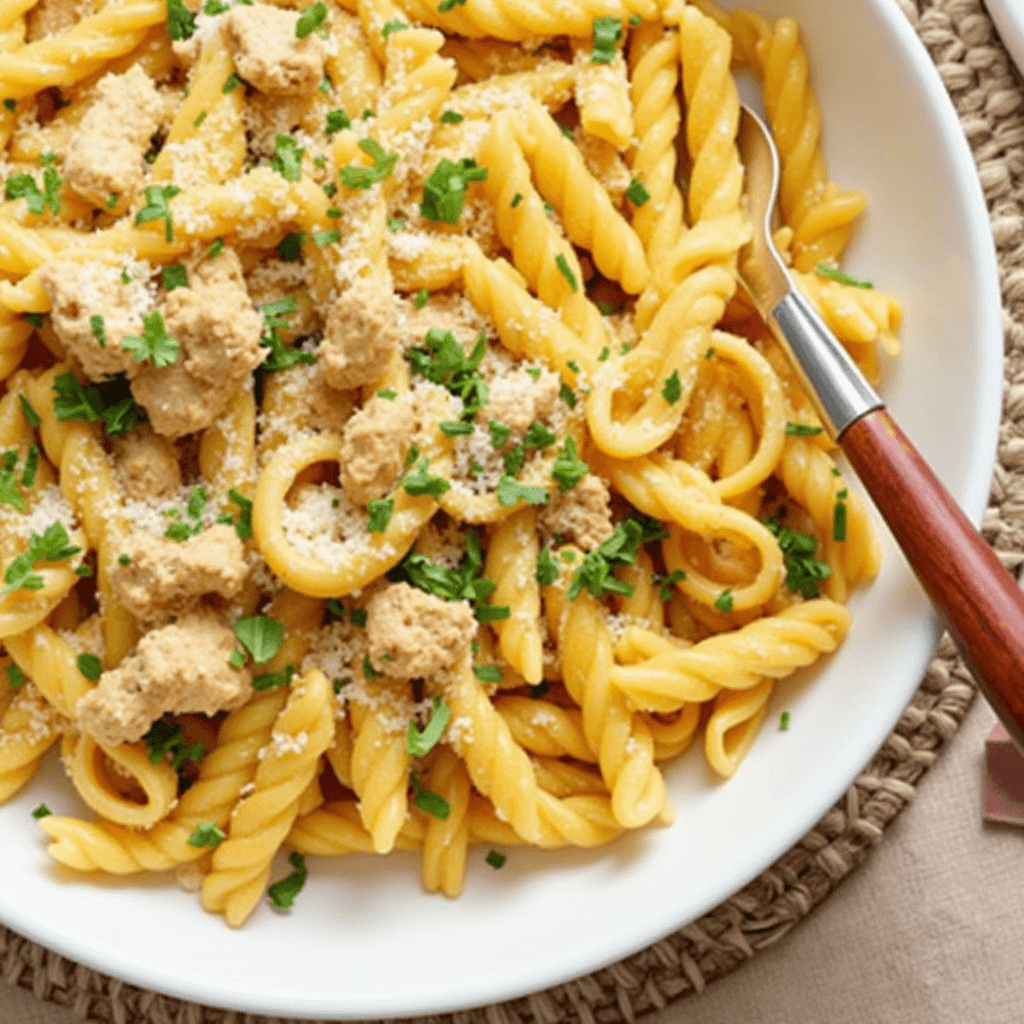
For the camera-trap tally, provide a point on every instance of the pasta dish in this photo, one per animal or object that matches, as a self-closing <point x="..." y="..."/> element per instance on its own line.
<point x="389" y="460"/>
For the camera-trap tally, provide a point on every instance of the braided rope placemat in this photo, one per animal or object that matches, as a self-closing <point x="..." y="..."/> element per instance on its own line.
<point x="989" y="98"/>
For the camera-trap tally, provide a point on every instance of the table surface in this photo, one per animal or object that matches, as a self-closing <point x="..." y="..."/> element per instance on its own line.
<point x="930" y="928"/>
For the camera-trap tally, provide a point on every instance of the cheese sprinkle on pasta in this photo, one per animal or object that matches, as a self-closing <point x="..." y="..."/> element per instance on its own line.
<point x="388" y="460"/>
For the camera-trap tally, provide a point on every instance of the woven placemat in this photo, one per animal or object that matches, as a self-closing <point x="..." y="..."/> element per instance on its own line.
<point x="989" y="98"/>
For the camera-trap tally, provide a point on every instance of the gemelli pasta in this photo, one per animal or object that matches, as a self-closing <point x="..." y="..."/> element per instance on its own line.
<point x="389" y="460"/>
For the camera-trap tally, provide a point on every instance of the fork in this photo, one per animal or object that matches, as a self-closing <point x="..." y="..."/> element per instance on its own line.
<point x="980" y="601"/>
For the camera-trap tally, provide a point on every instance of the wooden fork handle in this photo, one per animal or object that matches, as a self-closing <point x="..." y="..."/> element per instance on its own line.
<point x="982" y="603"/>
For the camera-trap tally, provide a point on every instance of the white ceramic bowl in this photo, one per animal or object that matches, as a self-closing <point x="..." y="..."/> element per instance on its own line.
<point x="364" y="941"/>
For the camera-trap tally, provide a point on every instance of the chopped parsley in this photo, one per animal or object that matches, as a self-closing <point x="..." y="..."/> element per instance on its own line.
<point x="289" y="249"/>
<point x="394" y="26"/>
<point x="231" y="83"/>
<point x="427" y="801"/>
<point x="637" y="193"/>
<point x="157" y="199"/>
<point x="461" y="584"/>
<point x="335" y="121"/>
<point x="282" y="893"/>
<point x="724" y="601"/>
<point x="99" y="330"/>
<point x="455" y="428"/>
<point x="784" y="721"/>
<point x="510" y="492"/>
<point x="495" y="859"/>
<point x="73" y="402"/>
<point x="90" y="666"/>
<point x="15" y="677"/>
<point x="311" y="19"/>
<point x="538" y="436"/>
<point x="446" y="5"/>
<point x="155" y="344"/>
<point x="516" y="200"/>
<point x="452" y="117"/>
<point x="565" y="393"/>
<point x="839" y="516"/>
<point x="261" y="636"/>
<point x="487" y="673"/>
<point x="668" y="584"/>
<point x="673" y="389"/>
<point x="166" y="738"/>
<point x="547" y="567"/>
<point x="419" y="482"/>
<point x="243" y="528"/>
<point x="23" y="186"/>
<point x="53" y="545"/>
<point x="274" y="680"/>
<point x="11" y="104"/>
<point x="801" y="429"/>
<point x="287" y="158"/>
<point x="365" y="177"/>
<point x="42" y="811"/>
<point x="173" y="276"/>
<point x="514" y="459"/>
<point x="803" y="571"/>
<point x="822" y="270"/>
<point x="568" y="469"/>
<point x="419" y="743"/>
<point x="566" y="271"/>
<point x="380" y="511"/>
<point x="281" y="357"/>
<point x="236" y="659"/>
<point x="206" y="833"/>
<point x="181" y="22"/>
<point x="200" y="119"/>
<point x="32" y="418"/>
<point x="499" y="433"/>
<point x="607" y="33"/>
<point x="325" y="238"/>
<point x="444" y="191"/>
<point x="112" y="200"/>
<point x="441" y="360"/>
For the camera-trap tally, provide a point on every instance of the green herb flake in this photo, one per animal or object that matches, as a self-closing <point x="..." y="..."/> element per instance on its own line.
<point x="53" y="545"/>
<point x="181" y="22"/>
<point x="455" y="428"/>
<point x="231" y="83"/>
<point x="514" y="459"/>
<point x="784" y="721"/>
<point x="15" y="677"/>
<point x="673" y="389"/>
<point x="325" y="238"/>
<point x="311" y="19"/>
<point x="723" y="602"/>
<point x="839" y="520"/>
<point x="206" y="833"/>
<point x="200" y="119"/>
<point x="336" y="121"/>
<point x="99" y="330"/>
<point x="538" y="436"/>
<point x="487" y="673"/>
<point x="568" y="469"/>
<point x="41" y="811"/>
<point x="380" y="511"/>
<point x="90" y="666"/>
<point x="174" y="276"/>
<point x="23" y="186"/>
<point x="495" y="859"/>
<point x="547" y="567"/>
<point x="155" y="344"/>
<point x="369" y="672"/>
<point x="112" y="200"/>
<point x="452" y="117"/>
<point x="565" y="393"/>
<point x="32" y="418"/>
<point x="667" y="587"/>
<point x="365" y="177"/>
<point x="499" y="433"/>
<point x="607" y="33"/>
<point x="287" y="158"/>
<point x="236" y="659"/>
<point x="427" y="801"/>
<point x="637" y="193"/>
<point x="289" y="249"/>
<point x="566" y="271"/>
<point x="420" y="482"/>
<point x="801" y="430"/>
<point x="157" y="199"/>
<point x="11" y="104"/>
<point x="510" y="492"/>
<point x="243" y="528"/>
<point x="282" y="894"/>
<point x="516" y="200"/>
<point x="28" y="476"/>
<point x="261" y="636"/>
<point x="604" y="354"/>
<point x="833" y="274"/>
<point x="447" y="5"/>
<point x="444" y="191"/>
<point x="419" y="743"/>
<point x="393" y="26"/>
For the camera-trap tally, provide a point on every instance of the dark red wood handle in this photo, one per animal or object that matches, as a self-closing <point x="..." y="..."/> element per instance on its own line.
<point x="980" y="600"/>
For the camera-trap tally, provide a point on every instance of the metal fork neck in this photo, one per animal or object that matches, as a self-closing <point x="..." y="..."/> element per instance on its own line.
<point x="840" y="393"/>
